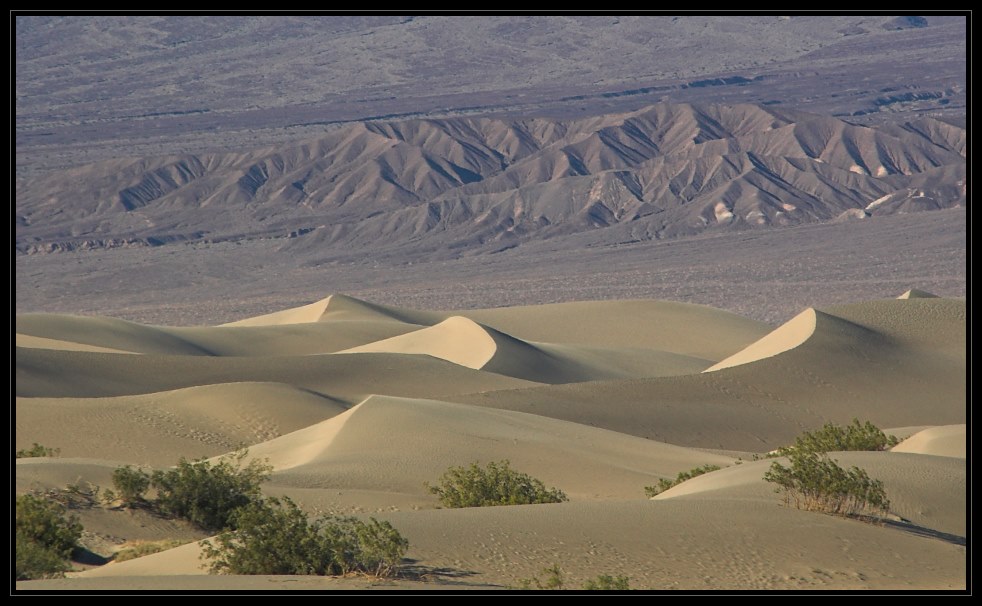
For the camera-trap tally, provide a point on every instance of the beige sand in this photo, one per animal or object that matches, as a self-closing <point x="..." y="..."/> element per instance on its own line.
<point x="415" y="392"/>
<point x="456" y="340"/>
<point x="945" y="441"/>
<point x="397" y="444"/>
<point x="159" y="428"/>
<point x="880" y="360"/>
<point x="44" y="343"/>
<point x="101" y="334"/>
<point x="61" y="374"/>
<point x="692" y="330"/>
<point x="917" y="294"/>
<point x="297" y="315"/>
<point x="467" y="343"/>
<point x="790" y="335"/>
<point x="701" y="544"/>
<point x="925" y="490"/>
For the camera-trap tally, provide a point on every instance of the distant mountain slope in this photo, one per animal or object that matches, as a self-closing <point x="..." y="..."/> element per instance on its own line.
<point x="482" y="183"/>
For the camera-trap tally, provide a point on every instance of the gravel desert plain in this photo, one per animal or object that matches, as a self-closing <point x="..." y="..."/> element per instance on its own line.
<point x="641" y="259"/>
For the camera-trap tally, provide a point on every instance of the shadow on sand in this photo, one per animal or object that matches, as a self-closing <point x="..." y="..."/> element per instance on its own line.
<point x="921" y="531"/>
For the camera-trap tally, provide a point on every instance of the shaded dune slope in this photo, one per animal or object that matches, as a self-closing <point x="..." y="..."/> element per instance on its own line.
<point x="48" y="373"/>
<point x="912" y="351"/>
<point x="790" y="335"/>
<point x="159" y="428"/>
<point x="240" y="340"/>
<point x="467" y="343"/>
<point x="396" y="444"/>
<point x="21" y="340"/>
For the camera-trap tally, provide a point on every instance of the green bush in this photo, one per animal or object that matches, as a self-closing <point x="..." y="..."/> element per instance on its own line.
<point x="35" y="561"/>
<point x="46" y="523"/>
<point x="45" y="537"/>
<point x="554" y="580"/>
<point x="37" y="451"/>
<point x="131" y="485"/>
<point x="665" y="484"/>
<point x="275" y="537"/>
<point x="830" y="438"/>
<point x="77" y="495"/>
<point x="497" y="484"/>
<point x="605" y="582"/>
<point x="208" y="494"/>
<point x="815" y="482"/>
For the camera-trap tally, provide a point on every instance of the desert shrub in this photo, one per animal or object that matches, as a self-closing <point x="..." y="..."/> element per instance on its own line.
<point x="131" y="485"/>
<point x="554" y="579"/>
<point x="76" y="495"/>
<point x="37" y="451"/>
<point x="46" y="523"/>
<point x="497" y="484"/>
<point x="274" y="536"/>
<point x="45" y="537"/>
<point x="35" y="561"/>
<point x="207" y="494"/>
<point x="605" y="582"/>
<point x="815" y="482"/>
<point x="831" y="437"/>
<point x="665" y="484"/>
<point x="146" y="548"/>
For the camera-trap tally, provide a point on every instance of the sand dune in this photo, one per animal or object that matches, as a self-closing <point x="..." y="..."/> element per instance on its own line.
<point x="671" y="544"/>
<point x="357" y="405"/>
<point x="341" y="308"/>
<point x="790" y="335"/>
<point x="106" y="333"/>
<point x="682" y="544"/>
<point x="945" y="441"/>
<point x="927" y="491"/>
<point x="692" y="330"/>
<point x="44" y="343"/>
<point x="57" y="472"/>
<point x="467" y="343"/>
<point x="159" y="428"/>
<point x="339" y="322"/>
<point x="456" y="340"/>
<point x="296" y="315"/>
<point x="180" y="560"/>
<point x="103" y="334"/>
<point x="60" y="374"/>
<point x="911" y="351"/>
<point x="917" y="294"/>
<point x="397" y="444"/>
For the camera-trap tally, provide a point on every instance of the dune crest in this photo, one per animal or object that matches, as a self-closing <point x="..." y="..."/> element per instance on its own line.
<point x="303" y="446"/>
<point x="22" y="340"/>
<point x="941" y="441"/>
<point x="295" y="315"/>
<point x="463" y="341"/>
<point x="343" y="307"/>
<point x="456" y="339"/>
<point x="791" y="334"/>
<point x="917" y="294"/>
